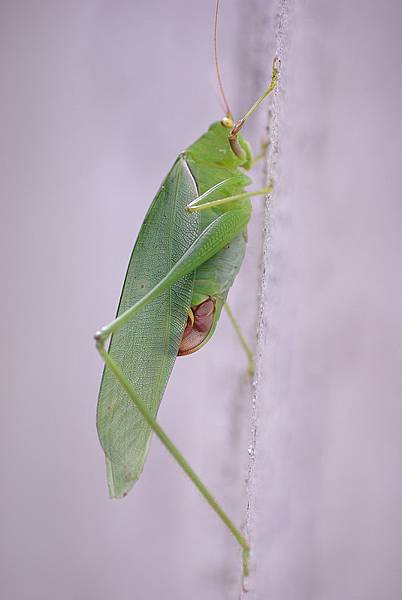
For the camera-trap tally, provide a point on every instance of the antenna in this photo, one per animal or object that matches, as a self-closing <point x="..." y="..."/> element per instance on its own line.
<point x="225" y="102"/>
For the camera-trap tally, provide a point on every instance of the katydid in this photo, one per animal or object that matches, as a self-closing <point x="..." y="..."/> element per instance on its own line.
<point x="188" y="252"/>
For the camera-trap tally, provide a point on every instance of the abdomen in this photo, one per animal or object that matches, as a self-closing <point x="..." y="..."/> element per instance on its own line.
<point x="215" y="277"/>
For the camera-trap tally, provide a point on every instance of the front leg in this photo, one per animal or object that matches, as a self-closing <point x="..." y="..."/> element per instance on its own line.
<point x="194" y="207"/>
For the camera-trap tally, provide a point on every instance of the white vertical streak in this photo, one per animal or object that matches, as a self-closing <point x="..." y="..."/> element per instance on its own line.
<point x="271" y="172"/>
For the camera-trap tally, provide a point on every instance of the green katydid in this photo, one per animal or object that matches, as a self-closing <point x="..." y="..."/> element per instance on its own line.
<point x="187" y="254"/>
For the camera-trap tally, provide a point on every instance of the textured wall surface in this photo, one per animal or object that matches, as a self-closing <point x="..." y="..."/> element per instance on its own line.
<point x="326" y="482"/>
<point x="97" y="100"/>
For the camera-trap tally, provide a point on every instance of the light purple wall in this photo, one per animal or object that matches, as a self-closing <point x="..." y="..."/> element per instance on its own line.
<point x="325" y="520"/>
<point x="97" y="100"/>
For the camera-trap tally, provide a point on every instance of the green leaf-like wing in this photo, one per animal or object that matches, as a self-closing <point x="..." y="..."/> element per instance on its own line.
<point x="147" y="346"/>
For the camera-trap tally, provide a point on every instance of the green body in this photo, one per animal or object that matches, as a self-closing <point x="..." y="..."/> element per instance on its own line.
<point x="211" y="160"/>
<point x="179" y="260"/>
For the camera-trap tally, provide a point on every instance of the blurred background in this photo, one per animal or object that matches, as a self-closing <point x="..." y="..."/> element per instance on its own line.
<point x="97" y="100"/>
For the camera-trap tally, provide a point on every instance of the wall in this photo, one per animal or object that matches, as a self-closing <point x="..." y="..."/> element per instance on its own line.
<point x="98" y="99"/>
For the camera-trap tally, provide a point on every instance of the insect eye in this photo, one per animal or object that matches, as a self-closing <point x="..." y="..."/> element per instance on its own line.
<point x="227" y="122"/>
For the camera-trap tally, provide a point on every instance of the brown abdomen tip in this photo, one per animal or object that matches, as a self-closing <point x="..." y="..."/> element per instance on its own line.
<point x="195" y="333"/>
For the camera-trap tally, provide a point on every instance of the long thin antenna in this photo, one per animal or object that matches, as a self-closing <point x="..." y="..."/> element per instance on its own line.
<point x="225" y="102"/>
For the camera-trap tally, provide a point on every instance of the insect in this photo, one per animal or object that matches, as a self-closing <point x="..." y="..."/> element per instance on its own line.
<point x="188" y="252"/>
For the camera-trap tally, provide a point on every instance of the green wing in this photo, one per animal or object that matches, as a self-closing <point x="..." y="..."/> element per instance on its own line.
<point x="146" y="347"/>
